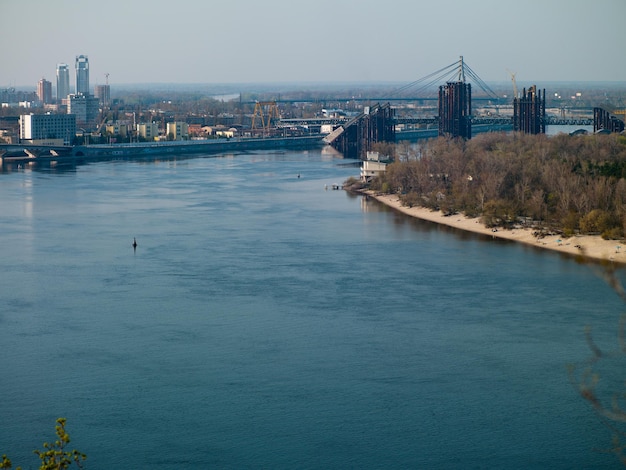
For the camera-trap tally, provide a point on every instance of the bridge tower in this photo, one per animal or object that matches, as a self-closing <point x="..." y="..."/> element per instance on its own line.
<point x="455" y="110"/>
<point x="358" y="135"/>
<point x="605" y="121"/>
<point x="529" y="112"/>
<point x="455" y="106"/>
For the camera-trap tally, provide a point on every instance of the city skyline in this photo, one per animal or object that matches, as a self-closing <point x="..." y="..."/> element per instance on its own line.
<point x="326" y="42"/>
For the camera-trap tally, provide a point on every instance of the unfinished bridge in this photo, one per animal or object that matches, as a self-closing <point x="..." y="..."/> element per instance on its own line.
<point x="377" y="123"/>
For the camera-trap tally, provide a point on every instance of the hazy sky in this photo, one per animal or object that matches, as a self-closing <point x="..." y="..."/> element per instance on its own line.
<point x="240" y="41"/>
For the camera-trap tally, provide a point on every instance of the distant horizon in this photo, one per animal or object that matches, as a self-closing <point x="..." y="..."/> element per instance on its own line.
<point x="329" y="41"/>
<point x="320" y="84"/>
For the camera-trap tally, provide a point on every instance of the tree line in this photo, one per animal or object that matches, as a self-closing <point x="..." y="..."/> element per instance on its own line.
<point x="563" y="184"/>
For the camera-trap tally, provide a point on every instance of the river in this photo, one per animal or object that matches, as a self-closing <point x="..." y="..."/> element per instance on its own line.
<point x="267" y="321"/>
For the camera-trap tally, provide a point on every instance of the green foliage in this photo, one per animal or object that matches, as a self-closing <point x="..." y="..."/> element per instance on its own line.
<point x="570" y="223"/>
<point x="54" y="456"/>
<point x="558" y="181"/>
<point x="498" y="213"/>
<point x="615" y="233"/>
<point x="596" y="221"/>
<point x="6" y="463"/>
<point x="385" y="149"/>
<point x="353" y="184"/>
<point x="410" y="199"/>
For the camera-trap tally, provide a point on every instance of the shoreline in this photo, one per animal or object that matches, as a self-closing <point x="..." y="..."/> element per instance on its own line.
<point x="591" y="247"/>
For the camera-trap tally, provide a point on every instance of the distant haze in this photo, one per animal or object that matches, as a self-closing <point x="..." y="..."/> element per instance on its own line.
<point x="270" y="41"/>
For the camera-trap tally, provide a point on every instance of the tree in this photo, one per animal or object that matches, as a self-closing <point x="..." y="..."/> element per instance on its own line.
<point x="555" y="181"/>
<point x="54" y="456"/>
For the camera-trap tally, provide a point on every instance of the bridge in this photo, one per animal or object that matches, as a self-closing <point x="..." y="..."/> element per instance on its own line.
<point x="455" y="116"/>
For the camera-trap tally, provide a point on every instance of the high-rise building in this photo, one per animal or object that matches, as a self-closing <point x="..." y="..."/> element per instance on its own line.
<point x="44" y="91"/>
<point x="63" y="81"/>
<point x="103" y="93"/>
<point x="82" y="75"/>
<point x="85" y="108"/>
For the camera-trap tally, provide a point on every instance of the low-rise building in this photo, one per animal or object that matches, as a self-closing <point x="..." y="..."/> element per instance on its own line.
<point x="40" y="128"/>
<point x="373" y="166"/>
<point x="117" y="128"/>
<point x="148" y="131"/>
<point x="177" y="130"/>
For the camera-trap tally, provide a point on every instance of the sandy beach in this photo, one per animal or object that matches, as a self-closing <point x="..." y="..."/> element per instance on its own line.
<point x="593" y="247"/>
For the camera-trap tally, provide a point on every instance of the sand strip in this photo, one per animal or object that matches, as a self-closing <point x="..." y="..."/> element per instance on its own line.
<point x="592" y="246"/>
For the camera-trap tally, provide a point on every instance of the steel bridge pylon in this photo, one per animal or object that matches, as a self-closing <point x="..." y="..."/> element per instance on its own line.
<point x="455" y="110"/>
<point x="529" y="112"/>
<point x="356" y="138"/>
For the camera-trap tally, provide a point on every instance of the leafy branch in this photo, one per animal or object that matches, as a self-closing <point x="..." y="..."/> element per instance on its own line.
<point x="54" y="456"/>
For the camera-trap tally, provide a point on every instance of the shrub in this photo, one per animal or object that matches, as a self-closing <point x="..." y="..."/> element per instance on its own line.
<point x="54" y="456"/>
<point x="615" y="233"/>
<point x="596" y="221"/>
<point x="410" y="199"/>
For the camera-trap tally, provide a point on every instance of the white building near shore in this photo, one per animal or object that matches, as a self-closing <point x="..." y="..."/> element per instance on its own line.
<point x="47" y="129"/>
<point x="372" y="167"/>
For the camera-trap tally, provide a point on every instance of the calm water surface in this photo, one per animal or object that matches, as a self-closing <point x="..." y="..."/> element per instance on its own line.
<point x="265" y="322"/>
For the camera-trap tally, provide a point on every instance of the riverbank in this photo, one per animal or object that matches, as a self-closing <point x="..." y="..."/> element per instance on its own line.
<point x="20" y="154"/>
<point x="594" y="247"/>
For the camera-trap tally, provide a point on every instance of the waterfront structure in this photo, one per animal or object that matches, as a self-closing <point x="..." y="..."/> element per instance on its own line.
<point x="148" y="131"/>
<point x="529" y="112"/>
<point x="357" y="136"/>
<point x="455" y="110"/>
<point x="177" y="130"/>
<point x="47" y="129"/>
<point x="603" y="121"/>
<point x="82" y="74"/>
<point x="44" y="91"/>
<point x="85" y="108"/>
<point x="103" y="93"/>
<point x="63" y="82"/>
<point x="372" y="167"/>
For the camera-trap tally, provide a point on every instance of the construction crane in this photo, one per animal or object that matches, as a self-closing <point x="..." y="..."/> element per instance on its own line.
<point x="514" y="84"/>
<point x="260" y="108"/>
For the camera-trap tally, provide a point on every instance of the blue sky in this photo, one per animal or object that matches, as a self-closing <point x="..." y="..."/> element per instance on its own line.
<point x="325" y="41"/>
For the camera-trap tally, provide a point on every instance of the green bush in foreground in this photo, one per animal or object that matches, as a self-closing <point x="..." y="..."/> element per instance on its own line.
<point x="54" y="456"/>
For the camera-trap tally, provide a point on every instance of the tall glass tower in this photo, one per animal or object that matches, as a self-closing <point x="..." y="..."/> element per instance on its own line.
<point x="82" y="75"/>
<point x="63" y="81"/>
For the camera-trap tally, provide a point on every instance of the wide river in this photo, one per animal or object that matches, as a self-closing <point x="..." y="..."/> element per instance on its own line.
<point x="267" y="321"/>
